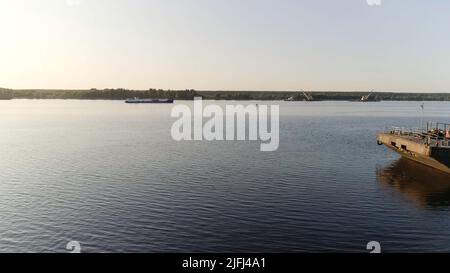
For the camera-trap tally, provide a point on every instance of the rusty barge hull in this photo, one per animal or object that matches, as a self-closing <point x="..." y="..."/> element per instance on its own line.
<point x="408" y="147"/>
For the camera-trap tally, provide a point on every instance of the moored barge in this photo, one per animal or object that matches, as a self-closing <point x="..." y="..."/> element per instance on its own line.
<point x="430" y="147"/>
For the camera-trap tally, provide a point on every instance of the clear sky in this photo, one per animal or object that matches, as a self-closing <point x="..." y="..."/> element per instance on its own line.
<point x="401" y="45"/>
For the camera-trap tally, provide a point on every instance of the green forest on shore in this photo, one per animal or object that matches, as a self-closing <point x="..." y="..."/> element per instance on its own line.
<point x="189" y="94"/>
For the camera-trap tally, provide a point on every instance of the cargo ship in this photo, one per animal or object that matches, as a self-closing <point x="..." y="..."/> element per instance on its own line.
<point x="138" y="100"/>
<point x="430" y="146"/>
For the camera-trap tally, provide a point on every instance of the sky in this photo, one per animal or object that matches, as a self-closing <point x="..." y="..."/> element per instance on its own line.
<point x="399" y="45"/>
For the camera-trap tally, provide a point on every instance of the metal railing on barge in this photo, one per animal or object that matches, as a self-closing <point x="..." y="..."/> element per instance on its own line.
<point x="435" y="135"/>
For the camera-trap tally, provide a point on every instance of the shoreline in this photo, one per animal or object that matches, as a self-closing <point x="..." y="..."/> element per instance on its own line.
<point x="189" y="94"/>
<point x="230" y="100"/>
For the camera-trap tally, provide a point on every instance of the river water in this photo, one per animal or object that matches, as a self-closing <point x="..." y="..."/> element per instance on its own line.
<point x="108" y="175"/>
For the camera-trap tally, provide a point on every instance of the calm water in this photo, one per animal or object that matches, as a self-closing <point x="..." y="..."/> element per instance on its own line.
<point x="109" y="175"/>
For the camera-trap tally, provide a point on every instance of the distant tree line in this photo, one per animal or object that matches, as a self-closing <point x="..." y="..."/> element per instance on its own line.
<point x="95" y="94"/>
<point x="322" y="96"/>
<point x="189" y="94"/>
<point x="6" y="94"/>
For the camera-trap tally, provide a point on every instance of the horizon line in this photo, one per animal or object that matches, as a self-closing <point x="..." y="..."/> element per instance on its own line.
<point x="226" y="90"/>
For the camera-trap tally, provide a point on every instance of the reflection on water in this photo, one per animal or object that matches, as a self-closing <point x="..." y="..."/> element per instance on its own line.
<point x="420" y="183"/>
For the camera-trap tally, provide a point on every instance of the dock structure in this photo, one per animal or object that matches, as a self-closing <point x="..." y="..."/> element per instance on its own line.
<point x="430" y="147"/>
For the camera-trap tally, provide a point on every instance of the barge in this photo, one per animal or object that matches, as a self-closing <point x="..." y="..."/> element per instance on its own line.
<point x="138" y="100"/>
<point x="430" y="147"/>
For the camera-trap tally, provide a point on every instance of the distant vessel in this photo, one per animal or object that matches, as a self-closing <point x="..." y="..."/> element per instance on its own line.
<point x="369" y="97"/>
<point x="289" y="99"/>
<point x="138" y="100"/>
<point x="301" y="96"/>
<point x="430" y="147"/>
